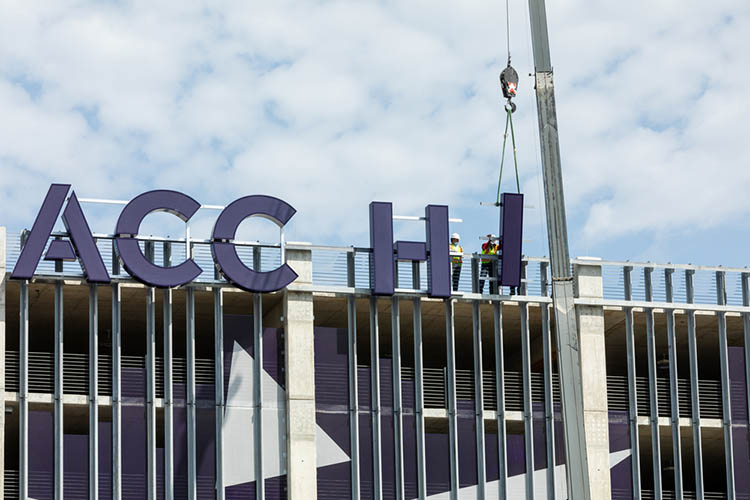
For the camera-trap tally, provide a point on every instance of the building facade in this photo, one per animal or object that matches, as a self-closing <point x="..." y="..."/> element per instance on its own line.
<point x="325" y="390"/>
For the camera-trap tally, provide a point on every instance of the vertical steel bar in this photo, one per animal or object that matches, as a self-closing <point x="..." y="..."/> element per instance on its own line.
<point x="377" y="467"/>
<point x="527" y="404"/>
<point x="479" y="398"/>
<point x="115" y="259"/>
<point x="116" y="394"/>
<point x="351" y="310"/>
<point x="673" y="386"/>
<point x="167" y="380"/>
<point x="168" y="399"/>
<point x="726" y="395"/>
<point x="260" y="483"/>
<point x="398" y="417"/>
<point x="151" y="391"/>
<point x="419" y="401"/>
<point x="23" y="392"/>
<point x="93" y="394"/>
<point x="219" y="388"/>
<point x="59" y="418"/>
<point x="549" y="405"/>
<point x="450" y="354"/>
<point x="653" y="392"/>
<point x="694" y="388"/>
<point x="192" y="486"/>
<point x="635" y="447"/>
<point x="502" y="455"/>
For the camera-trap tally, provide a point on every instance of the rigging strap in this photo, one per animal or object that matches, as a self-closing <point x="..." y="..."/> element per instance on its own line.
<point x="509" y="108"/>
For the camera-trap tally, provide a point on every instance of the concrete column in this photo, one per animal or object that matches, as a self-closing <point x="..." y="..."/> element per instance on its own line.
<point x="2" y="361"/>
<point x="588" y="284"/>
<point x="300" y="381"/>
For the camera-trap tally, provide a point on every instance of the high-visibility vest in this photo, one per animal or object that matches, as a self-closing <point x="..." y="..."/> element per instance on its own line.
<point x="456" y="259"/>
<point x="489" y="249"/>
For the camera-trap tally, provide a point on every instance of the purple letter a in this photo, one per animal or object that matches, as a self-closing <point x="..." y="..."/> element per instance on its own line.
<point x="84" y="246"/>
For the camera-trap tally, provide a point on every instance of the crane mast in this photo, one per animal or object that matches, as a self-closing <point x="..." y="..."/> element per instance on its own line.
<point x="569" y="355"/>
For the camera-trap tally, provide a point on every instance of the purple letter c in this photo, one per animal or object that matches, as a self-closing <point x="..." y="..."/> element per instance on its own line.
<point x="225" y="253"/>
<point x="133" y="260"/>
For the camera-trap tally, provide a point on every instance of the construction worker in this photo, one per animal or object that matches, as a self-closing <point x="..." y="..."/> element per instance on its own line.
<point x="490" y="247"/>
<point x="456" y="260"/>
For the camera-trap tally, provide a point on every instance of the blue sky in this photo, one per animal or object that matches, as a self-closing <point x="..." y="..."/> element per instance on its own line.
<point x="330" y="105"/>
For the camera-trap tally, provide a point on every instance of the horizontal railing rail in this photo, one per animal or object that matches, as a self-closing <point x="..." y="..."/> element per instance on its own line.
<point x="333" y="266"/>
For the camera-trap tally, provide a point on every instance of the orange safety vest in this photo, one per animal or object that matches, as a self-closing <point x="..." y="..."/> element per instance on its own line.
<point x="456" y="259"/>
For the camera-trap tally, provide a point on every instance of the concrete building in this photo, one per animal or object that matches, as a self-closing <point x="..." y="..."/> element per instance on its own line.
<point x="327" y="391"/>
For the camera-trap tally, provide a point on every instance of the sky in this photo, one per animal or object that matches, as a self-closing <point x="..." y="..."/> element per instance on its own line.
<point x="330" y="105"/>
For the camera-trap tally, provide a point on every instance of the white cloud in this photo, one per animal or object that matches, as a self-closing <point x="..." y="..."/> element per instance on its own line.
<point x="332" y="104"/>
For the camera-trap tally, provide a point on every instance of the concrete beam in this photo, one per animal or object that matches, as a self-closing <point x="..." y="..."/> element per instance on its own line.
<point x="588" y="284"/>
<point x="300" y="381"/>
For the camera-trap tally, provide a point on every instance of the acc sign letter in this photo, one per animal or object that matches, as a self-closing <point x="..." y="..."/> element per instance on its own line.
<point x="128" y="250"/>
<point x="225" y="253"/>
<point x="83" y="244"/>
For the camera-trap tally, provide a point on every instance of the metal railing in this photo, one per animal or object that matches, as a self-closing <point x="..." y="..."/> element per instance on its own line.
<point x="333" y="266"/>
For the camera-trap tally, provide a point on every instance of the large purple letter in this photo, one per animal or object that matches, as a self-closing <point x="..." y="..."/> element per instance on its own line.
<point x="512" y="234"/>
<point x="83" y="246"/>
<point x="225" y="253"/>
<point x="128" y="250"/>
<point x="381" y="241"/>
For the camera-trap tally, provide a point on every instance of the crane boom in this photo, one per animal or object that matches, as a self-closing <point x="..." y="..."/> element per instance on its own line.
<point x="562" y="282"/>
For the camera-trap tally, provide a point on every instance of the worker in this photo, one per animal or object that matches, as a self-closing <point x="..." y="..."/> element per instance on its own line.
<point x="457" y="259"/>
<point x="491" y="247"/>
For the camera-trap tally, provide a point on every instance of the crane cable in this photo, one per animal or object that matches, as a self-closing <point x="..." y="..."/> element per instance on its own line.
<point x="509" y="84"/>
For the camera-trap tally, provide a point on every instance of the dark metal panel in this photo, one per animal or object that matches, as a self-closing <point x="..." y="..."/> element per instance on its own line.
<point x="377" y="472"/>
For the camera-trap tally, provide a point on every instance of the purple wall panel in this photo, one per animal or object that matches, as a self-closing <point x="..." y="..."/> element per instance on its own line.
<point x="621" y="476"/>
<point x="245" y="491"/>
<point x="206" y="452"/>
<point x="738" y="385"/>
<point x="410" y="455"/>
<point x="491" y="466"/>
<point x="76" y="472"/>
<point x="540" y="436"/>
<point x="179" y="433"/>
<point x="467" y="444"/>
<point x="388" y="454"/>
<point x="133" y="452"/>
<point x="41" y="455"/>
<point x="740" y="431"/>
<point x="179" y="393"/>
<point x="334" y="481"/>
<point x="160" y="473"/>
<point x="105" y="460"/>
<point x="239" y="328"/>
<point x="134" y="384"/>
<point x="365" y="455"/>
<point x="515" y="454"/>
<point x="437" y="464"/>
